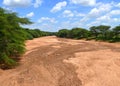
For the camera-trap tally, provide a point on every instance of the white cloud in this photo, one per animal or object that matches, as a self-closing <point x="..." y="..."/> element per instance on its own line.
<point x="84" y="2"/>
<point x="118" y="5"/>
<point x="68" y="13"/>
<point x="84" y="19"/>
<point x="17" y="3"/>
<point x="104" y="18"/>
<point x="70" y="24"/>
<point x="58" y="6"/>
<point x="94" y="12"/>
<point x="31" y="14"/>
<point x="47" y="19"/>
<point x="97" y="12"/>
<point x="108" y="18"/>
<point x="116" y="19"/>
<point x="93" y="23"/>
<point x="115" y="12"/>
<point x="104" y="14"/>
<point x="101" y="14"/>
<point x="37" y="3"/>
<point x="80" y="15"/>
<point x="102" y="8"/>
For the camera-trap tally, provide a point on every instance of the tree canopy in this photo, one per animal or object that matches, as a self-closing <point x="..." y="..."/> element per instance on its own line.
<point x="101" y="32"/>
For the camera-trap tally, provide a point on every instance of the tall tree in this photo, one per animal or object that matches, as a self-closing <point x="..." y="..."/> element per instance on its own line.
<point x="78" y="33"/>
<point x="94" y="31"/>
<point x="64" y="33"/>
<point x="103" y="29"/>
<point x="116" y="31"/>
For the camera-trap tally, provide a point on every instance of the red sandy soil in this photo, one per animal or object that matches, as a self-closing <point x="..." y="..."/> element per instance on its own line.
<point x="52" y="61"/>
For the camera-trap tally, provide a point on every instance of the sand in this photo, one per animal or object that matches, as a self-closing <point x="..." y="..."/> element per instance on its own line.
<point x="52" y="61"/>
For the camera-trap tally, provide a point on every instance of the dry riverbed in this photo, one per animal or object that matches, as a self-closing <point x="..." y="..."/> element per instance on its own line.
<point x="52" y="61"/>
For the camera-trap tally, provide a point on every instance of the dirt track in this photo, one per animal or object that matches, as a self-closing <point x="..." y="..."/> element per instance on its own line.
<point x="51" y="61"/>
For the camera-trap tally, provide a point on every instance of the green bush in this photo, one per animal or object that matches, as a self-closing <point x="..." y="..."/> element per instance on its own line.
<point x="101" y="32"/>
<point x="13" y="36"/>
<point x="6" y="62"/>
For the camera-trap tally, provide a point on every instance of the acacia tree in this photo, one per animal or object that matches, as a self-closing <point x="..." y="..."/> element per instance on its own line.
<point x="100" y="32"/>
<point x="94" y="31"/>
<point x="64" y="33"/>
<point x="78" y="33"/>
<point x="116" y="31"/>
<point x="11" y="37"/>
<point x="103" y="30"/>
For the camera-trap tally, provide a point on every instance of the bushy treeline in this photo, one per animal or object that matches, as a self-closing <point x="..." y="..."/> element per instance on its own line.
<point x="101" y="32"/>
<point x="13" y="36"/>
<point x="35" y="33"/>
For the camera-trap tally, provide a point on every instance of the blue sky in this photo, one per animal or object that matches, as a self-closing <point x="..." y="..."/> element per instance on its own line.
<point x="52" y="15"/>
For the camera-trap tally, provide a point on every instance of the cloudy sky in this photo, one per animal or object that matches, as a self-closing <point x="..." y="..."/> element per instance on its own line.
<point x="52" y="15"/>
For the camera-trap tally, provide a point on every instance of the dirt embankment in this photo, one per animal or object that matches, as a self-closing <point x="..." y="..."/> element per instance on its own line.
<point x="52" y="61"/>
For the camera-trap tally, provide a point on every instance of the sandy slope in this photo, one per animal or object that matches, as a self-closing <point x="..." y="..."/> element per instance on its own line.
<point x="51" y="61"/>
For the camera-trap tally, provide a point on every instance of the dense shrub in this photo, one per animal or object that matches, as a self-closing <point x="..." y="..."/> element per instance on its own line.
<point x="13" y="36"/>
<point x="64" y="33"/>
<point x="101" y="32"/>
